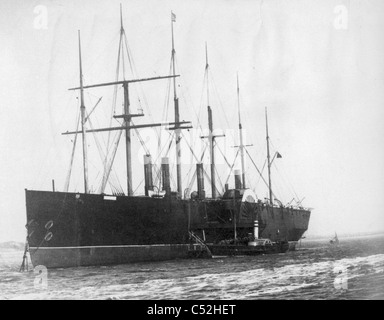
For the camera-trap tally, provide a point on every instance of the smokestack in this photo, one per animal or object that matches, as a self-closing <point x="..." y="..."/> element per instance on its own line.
<point x="200" y="180"/>
<point x="148" y="173"/>
<point x="256" y="229"/>
<point x="165" y="175"/>
<point x="238" y="179"/>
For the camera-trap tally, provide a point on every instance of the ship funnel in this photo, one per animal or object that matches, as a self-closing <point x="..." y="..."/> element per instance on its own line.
<point x="165" y="175"/>
<point x="148" y="174"/>
<point x="238" y="184"/>
<point x="200" y="180"/>
<point x="256" y="229"/>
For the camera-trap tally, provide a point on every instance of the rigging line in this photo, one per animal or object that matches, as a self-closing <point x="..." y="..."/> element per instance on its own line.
<point x="201" y="159"/>
<point x="105" y="175"/>
<point x="135" y="73"/>
<point x="278" y="187"/>
<point x="250" y="183"/>
<point x="190" y="170"/>
<point x="218" y="175"/>
<point x="158" y="172"/>
<point x="202" y="155"/>
<point x="122" y="56"/>
<point x="256" y="167"/>
<point x="157" y="182"/>
<point x="165" y="107"/>
<point x="201" y="102"/>
<point x="141" y="139"/>
<point x="67" y="181"/>
<point x="197" y="116"/>
<point x="221" y="106"/>
<point x="167" y="95"/>
<point x="115" y="89"/>
<point x="39" y="178"/>
<point x="192" y="180"/>
<point x="146" y="104"/>
<point x="164" y="146"/>
<point x="231" y="167"/>
<point x="94" y="108"/>
<point x="134" y="192"/>
<point x="190" y="148"/>
<point x="89" y="117"/>
<point x="91" y="62"/>
<point x="130" y="57"/>
<point x="277" y="183"/>
<point x="170" y="144"/>
<point x="113" y="110"/>
<point x="209" y="180"/>
<point x="188" y="174"/>
<point x="191" y="107"/>
<point x="109" y="166"/>
<point x="225" y="158"/>
<point x="183" y="96"/>
<point x="174" y="185"/>
<point x="102" y="156"/>
<point x="262" y="170"/>
<point x="90" y="94"/>
<point x="286" y="180"/>
<point x="244" y="119"/>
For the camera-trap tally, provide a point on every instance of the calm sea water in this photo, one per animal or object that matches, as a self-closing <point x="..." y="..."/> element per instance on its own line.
<point x="317" y="270"/>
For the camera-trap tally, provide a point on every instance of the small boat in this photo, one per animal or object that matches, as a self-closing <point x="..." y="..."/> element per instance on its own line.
<point x="334" y="240"/>
<point x="251" y="248"/>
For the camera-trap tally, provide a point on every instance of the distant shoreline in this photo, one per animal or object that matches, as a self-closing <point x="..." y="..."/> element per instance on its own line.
<point x="344" y="236"/>
<point x="12" y="245"/>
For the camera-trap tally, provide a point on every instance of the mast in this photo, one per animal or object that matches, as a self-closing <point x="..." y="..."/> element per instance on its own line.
<point x="126" y="115"/>
<point x="269" y="162"/>
<point x="210" y="127"/>
<point x="177" y="115"/>
<point x="83" y="120"/>
<point x="211" y="137"/>
<point x="206" y="70"/>
<point x="241" y="136"/>
<point x="128" y="149"/>
<point x="212" y="152"/>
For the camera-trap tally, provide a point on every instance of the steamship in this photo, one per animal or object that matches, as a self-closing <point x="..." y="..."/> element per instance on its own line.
<point x="69" y="229"/>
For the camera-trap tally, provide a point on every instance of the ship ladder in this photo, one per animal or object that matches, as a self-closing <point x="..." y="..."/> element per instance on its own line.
<point x="200" y="242"/>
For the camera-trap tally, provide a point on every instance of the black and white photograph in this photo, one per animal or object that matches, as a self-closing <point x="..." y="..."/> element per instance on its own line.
<point x="205" y="151"/>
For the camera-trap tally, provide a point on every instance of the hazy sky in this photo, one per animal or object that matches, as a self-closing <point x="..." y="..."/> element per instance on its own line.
<point x="317" y="65"/>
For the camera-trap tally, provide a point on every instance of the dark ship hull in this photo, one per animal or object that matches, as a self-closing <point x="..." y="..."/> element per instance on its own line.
<point x="73" y="229"/>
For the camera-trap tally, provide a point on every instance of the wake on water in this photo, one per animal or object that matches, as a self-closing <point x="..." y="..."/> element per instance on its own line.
<point x="352" y="270"/>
